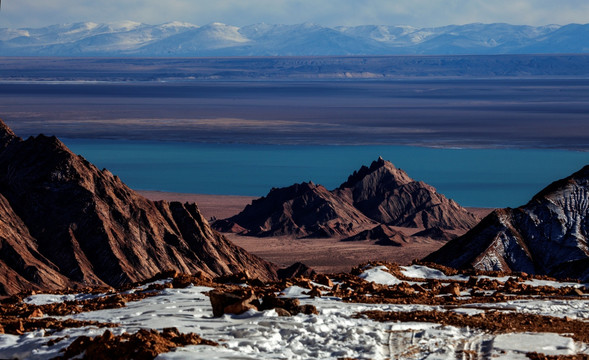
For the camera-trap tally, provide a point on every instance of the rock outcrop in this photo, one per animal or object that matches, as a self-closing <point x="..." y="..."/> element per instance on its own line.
<point x="547" y="236"/>
<point x="63" y="222"/>
<point x="383" y="234"/>
<point x="302" y="210"/>
<point x="379" y="194"/>
<point x="436" y="233"/>
<point x="389" y="196"/>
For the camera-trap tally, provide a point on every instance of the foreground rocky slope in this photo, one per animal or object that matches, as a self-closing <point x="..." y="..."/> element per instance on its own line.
<point x="548" y="235"/>
<point x="63" y="222"/>
<point x="379" y="194"/>
<point x="377" y="311"/>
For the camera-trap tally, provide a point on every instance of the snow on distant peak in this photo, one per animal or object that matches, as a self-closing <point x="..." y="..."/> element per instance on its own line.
<point x="124" y="25"/>
<point x="220" y="31"/>
<point x="178" y="24"/>
<point x="80" y="27"/>
<point x="300" y="39"/>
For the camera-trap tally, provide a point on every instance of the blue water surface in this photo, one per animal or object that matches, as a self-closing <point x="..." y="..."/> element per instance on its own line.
<point x="472" y="177"/>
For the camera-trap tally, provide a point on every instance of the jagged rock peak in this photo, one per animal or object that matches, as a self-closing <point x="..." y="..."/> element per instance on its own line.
<point x="63" y="222"/>
<point x="380" y="193"/>
<point x="388" y="195"/>
<point x="294" y="189"/>
<point x="6" y="135"/>
<point x="398" y="176"/>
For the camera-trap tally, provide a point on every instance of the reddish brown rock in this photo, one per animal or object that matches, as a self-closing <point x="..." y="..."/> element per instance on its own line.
<point x="145" y="344"/>
<point x="383" y="234"/>
<point x="379" y="194"/>
<point x="452" y="289"/>
<point x="282" y="312"/>
<point x="302" y="210"/>
<point x="388" y="195"/>
<point x="286" y="307"/>
<point x="323" y="280"/>
<point x="315" y="292"/>
<point x="437" y="233"/>
<point x="63" y="222"/>
<point x="296" y="270"/>
<point x="231" y="303"/>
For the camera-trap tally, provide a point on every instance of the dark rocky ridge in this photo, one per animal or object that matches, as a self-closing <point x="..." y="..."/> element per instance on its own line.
<point x="437" y="233"/>
<point x="389" y="196"/>
<point x="379" y="194"/>
<point x="547" y="236"/>
<point x="303" y="210"/>
<point x="63" y="223"/>
<point x="383" y="234"/>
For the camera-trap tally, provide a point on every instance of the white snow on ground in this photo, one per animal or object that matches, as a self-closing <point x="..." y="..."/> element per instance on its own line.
<point x="295" y="292"/>
<point x="536" y="282"/>
<point x="379" y="275"/>
<point x="554" y="284"/>
<point x="424" y="272"/>
<point x="552" y="344"/>
<point x="574" y="309"/>
<point x="501" y="279"/>
<point x="332" y="334"/>
<point x="46" y="299"/>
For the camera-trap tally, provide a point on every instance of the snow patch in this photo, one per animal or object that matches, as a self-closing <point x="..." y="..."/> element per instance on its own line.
<point x="379" y="275"/>
<point x="545" y="343"/>
<point x="424" y="272"/>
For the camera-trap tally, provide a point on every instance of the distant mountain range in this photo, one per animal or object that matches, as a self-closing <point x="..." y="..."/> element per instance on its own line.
<point x="216" y="39"/>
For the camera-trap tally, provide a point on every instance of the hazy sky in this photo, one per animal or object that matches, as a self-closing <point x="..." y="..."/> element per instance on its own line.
<point x="36" y="13"/>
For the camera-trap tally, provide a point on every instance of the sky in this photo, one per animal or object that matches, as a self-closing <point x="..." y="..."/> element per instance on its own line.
<point x="418" y="13"/>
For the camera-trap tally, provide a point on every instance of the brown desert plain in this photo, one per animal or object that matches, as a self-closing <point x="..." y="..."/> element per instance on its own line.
<point x="327" y="255"/>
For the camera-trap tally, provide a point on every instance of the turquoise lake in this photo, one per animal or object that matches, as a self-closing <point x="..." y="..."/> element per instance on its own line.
<point x="472" y="177"/>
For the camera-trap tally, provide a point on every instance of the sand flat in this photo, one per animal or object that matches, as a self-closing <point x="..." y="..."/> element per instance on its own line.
<point x="324" y="255"/>
<point x="218" y="206"/>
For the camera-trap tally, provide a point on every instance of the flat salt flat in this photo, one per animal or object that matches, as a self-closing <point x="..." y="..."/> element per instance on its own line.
<point x="332" y="334"/>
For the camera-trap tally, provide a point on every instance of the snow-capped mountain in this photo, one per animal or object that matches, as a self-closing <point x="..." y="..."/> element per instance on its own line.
<point x="183" y="39"/>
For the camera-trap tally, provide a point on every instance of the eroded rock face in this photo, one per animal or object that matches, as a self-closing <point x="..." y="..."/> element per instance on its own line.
<point x="547" y="236"/>
<point x="383" y="234"/>
<point x="379" y="194"/>
<point x="436" y="233"/>
<point x="303" y="210"/>
<point x="389" y="196"/>
<point x="64" y="223"/>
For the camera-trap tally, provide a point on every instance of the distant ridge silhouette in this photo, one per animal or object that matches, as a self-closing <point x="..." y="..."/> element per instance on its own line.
<point x="217" y="39"/>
